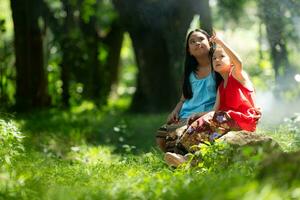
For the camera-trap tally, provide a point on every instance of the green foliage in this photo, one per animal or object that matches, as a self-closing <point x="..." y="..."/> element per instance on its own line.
<point x="84" y="26"/>
<point x="10" y="142"/>
<point x="2" y="26"/>
<point x="79" y="154"/>
<point x="231" y="9"/>
<point x="287" y="134"/>
<point x="88" y="10"/>
<point x="213" y="157"/>
<point x="54" y="72"/>
<point x="220" y="157"/>
<point x="7" y="72"/>
<point x="103" y="10"/>
<point x="128" y="73"/>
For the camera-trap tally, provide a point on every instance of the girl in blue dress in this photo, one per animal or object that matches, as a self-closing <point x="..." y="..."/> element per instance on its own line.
<point x="198" y="89"/>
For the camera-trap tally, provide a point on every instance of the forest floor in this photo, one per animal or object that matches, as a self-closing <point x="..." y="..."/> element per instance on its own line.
<point x="84" y="153"/>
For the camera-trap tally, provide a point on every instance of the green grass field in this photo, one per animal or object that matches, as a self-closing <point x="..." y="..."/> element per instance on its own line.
<point x="84" y="153"/>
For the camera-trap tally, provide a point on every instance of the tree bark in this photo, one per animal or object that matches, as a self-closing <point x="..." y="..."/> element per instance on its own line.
<point x="31" y="79"/>
<point x="67" y="58"/>
<point x="113" y="44"/>
<point x="157" y="30"/>
<point x="66" y="44"/>
<point x="205" y="16"/>
<point x="154" y="91"/>
<point x="273" y="17"/>
<point x="84" y="64"/>
<point x="103" y="72"/>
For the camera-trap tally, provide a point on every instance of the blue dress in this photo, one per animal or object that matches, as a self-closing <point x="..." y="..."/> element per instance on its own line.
<point x="204" y="96"/>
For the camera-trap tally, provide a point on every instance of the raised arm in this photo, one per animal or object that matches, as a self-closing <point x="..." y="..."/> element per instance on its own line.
<point x="234" y="58"/>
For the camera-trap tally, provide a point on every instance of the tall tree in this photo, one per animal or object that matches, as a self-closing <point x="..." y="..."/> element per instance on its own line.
<point x="157" y="30"/>
<point x="92" y="29"/>
<point x="112" y="43"/>
<point x="272" y="14"/>
<point x="66" y="42"/>
<point x="103" y="41"/>
<point x="205" y="16"/>
<point x="31" y="79"/>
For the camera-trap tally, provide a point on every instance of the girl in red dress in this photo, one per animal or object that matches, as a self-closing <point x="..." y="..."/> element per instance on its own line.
<point x="234" y="109"/>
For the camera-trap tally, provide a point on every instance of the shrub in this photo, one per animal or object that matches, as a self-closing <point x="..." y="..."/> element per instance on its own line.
<point x="10" y="142"/>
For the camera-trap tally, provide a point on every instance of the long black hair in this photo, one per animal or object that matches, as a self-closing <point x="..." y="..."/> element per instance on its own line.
<point x="217" y="76"/>
<point x="190" y="65"/>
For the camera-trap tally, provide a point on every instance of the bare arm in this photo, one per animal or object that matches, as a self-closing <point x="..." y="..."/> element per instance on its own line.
<point x="174" y="115"/>
<point x="237" y="71"/>
<point x="217" y="103"/>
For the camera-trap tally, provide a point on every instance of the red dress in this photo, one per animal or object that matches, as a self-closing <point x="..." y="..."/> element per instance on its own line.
<point x="238" y="101"/>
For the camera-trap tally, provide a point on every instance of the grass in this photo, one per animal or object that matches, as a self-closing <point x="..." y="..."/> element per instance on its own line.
<point x="84" y="153"/>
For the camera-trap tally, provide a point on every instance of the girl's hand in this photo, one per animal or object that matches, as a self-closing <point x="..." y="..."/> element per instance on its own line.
<point x="255" y="112"/>
<point x="192" y="118"/>
<point x="173" y="117"/>
<point x="216" y="39"/>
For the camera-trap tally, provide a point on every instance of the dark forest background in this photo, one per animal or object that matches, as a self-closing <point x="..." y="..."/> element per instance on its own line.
<point x="60" y="53"/>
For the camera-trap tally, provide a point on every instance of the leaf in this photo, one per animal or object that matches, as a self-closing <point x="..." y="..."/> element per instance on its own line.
<point x="7" y="159"/>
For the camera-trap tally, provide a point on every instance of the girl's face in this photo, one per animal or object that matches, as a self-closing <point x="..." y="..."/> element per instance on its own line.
<point x="221" y="61"/>
<point x="198" y="44"/>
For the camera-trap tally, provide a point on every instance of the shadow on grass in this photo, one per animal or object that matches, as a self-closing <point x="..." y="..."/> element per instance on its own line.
<point x="60" y="130"/>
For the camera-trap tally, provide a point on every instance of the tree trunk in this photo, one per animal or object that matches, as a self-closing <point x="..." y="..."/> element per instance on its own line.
<point x="31" y="79"/>
<point x="66" y="44"/>
<point x="157" y="30"/>
<point x="205" y="16"/>
<point x="113" y="44"/>
<point x="103" y="72"/>
<point x="96" y="75"/>
<point x="154" y="91"/>
<point x="67" y="58"/>
<point x="92" y="43"/>
<point x="273" y="17"/>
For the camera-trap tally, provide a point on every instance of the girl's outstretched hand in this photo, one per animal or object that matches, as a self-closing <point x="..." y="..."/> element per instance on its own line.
<point x="216" y="39"/>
